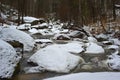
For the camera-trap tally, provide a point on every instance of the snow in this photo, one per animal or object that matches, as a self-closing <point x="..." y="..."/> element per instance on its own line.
<point x="113" y="47"/>
<point x="33" y="31"/>
<point x="51" y="57"/>
<point x="89" y="76"/>
<point x="61" y="37"/>
<point x="24" y="26"/>
<point x="8" y="60"/>
<point x="46" y="32"/>
<point x="43" y="24"/>
<point x="103" y="36"/>
<point x="13" y="26"/>
<point x="43" y="40"/>
<point x="9" y="34"/>
<point x="92" y="39"/>
<point x="93" y="48"/>
<point x="3" y="16"/>
<point x="73" y="47"/>
<point x="40" y="25"/>
<point x="117" y="5"/>
<point x="116" y="41"/>
<point x="29" y="19"/>
<point x="114" y="61"/>
<point x="74" y="33"/>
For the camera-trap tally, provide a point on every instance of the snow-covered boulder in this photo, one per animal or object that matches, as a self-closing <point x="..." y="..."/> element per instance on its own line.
<point x="61" y="37"/>
<point x="40" y="26"/>
<point x="25" y="26"/>
<point x="56" y="58"/>
<point x="29" y="19"/>
<point x="92" y="39"/>
<point x="9" y="34"/>
<point x="116" y="41"/>
<point x="113" y="47"/>
<point x="8" y="60"/>
<point x="73" y="47"/>
<point x="93" y="48"/>
<point x="76" y="34"/>
<point x="101" y="37"/>
<point x="33" y="31"/>
<point x="114" y="62"/>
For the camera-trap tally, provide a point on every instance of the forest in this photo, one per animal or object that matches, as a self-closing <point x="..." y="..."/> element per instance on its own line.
<point x="59" y="39"/>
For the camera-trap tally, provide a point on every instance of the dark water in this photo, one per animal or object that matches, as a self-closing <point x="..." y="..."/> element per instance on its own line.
<point x="35" y="76"/>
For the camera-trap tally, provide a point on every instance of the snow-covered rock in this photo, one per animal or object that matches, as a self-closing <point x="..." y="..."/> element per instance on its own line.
<point x="33" y="31"/>
<point x="114" y="61"/>
<point x="51" y="57"/>
<point x="43" y="41"/>
<point x="92" y="39"/>
<point x="89" y="76"/>
<point x="9" y="34"/>
<point x="76" y="34"/>
<point x="8" y="60"/>
<point x="93" y="48"/>
<point x="24" y="26"/>
<point x="29" y="19"/>
<point x="61" y="37"/>
<point x="116" y="41"/>
<point x="113" y="47"/>
<point x="46" y="32"/>
<point x="101" y="37"/>
<point x="40" y="26"/>
<point x="73" y="47"/>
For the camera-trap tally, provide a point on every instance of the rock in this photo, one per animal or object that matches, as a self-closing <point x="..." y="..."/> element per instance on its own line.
<point x="61" y="37"/>
<point x="87" y="67"/>
<point x="93" y="48"/>
<point x="8" y="60"/>
<point x="51" y="57"/>
<point x="36" y="22"/>
<point x="115" y="47"/>
<point x="107" y="42"/>
<point x="113" y="62"/>
<point x="76" y="34"/>
<point x="116" y="41"/>
<point x="101" y="37"/>
<point x="92" y="39"/>
<point x="9" y="34"/>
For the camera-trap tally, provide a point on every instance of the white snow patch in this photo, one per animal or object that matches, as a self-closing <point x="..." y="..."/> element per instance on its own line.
<point x="9" y="34"/>
<point x="93" y="48"/>
<point x="89" y="76"/>
<point x="29" y="19"/>
<point x="8" y="60"/>
<point x="43" y="40"/>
